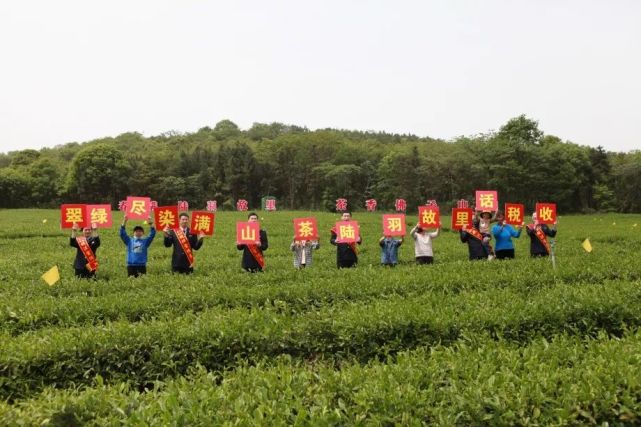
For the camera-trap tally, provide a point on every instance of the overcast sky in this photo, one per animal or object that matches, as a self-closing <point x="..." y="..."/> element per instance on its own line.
<point x="80" y="70"/>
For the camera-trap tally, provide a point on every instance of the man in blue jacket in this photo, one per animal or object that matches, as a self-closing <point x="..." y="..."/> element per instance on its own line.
<point x="137" y="246"/>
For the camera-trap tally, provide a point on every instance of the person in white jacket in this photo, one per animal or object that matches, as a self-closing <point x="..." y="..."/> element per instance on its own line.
<point x="423" y="244"/>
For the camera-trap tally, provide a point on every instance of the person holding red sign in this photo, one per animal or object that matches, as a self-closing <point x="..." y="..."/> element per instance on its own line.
<point x="184" y="243"/>
<point x="503" y="233"/>
<point x="423" y="251"/>
<point x="485" y="220"/>
<point x="539" y="233"/>
<point x="86" y="246"/>
<point x="137" y="246"/>
<point x="389" y="250"/>
<point x="253" y="258"/>
<point x="346" y="253"/>
<point x="474" y="239"/>
<point x="303" y="250"/>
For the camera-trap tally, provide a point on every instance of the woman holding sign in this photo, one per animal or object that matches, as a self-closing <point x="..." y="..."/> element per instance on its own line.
<point x="539" y="233"/>
<point x="85" y="263"/>
<point x="503" y="233"/>
<point x="423" y="244"/>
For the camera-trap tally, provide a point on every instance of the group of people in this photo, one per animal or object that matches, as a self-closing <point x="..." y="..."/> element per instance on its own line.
<point x="478" y="238"/>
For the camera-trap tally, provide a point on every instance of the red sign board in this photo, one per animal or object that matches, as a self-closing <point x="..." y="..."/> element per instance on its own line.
<point x="546" y="213"/>
<point x="305" y="229"/>
<point x="429" y="216"/>
<point x="99" y="216"/>
<point x="347" y="232"/>
<point x="247" y="233"/>
<point x="138" y="207"/>
<point x="202" y="222"/>
<point x="461" y="217"/>
<point x="487" y="200"/>
<point x="166" y="216"/>
<point x="70" y="214"/>
<point x="394" y="225"/>
<point x="514" y="213"/>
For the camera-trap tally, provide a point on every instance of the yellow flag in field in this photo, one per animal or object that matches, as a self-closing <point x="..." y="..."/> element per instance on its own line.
<point x="51" y="276"/>
<point x="587" y="245"/>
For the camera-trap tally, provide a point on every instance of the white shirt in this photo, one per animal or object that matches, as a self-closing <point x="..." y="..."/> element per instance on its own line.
<point x="423" y="242"/>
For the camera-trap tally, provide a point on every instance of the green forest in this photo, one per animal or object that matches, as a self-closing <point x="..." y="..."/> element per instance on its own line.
<point x="307" y="169"/>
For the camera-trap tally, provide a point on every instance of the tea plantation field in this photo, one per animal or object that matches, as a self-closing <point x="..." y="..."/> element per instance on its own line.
<point x="457" y="342"/>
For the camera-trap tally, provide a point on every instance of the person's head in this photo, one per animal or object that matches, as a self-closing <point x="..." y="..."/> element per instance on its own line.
<point x="419" y="230"/>
<point x="500" y="217"/>
<point x="139" y="231"/>
<point x="252" y="217"/>
<point x="86" y="231"/>
<point x="486" y="215"/>
<point x="346" y="216"/>
<point x="534" y="218"/>
<point x="183" y="220"/>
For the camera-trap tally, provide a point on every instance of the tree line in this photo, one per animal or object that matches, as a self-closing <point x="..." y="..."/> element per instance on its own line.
<point x="307" y="169"/>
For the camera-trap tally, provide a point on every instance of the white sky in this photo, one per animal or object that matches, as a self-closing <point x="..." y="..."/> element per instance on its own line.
<point x="79" y="70"/>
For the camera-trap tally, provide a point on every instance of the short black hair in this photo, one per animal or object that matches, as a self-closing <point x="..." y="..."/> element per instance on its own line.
<point x="136" y="228"/>
<point x="182" y="214"/>
<point x="252" y="214"/>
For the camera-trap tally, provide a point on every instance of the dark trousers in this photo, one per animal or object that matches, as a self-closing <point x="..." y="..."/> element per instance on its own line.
<point x="136" y="270"/>
<point x="182" y="270"/>
<point x="346" y="263"/>
<point x="537" y="255"/>
<point x="83" y="273"/>
<point x="505" y="253"/>
<point x="424" y="260"/>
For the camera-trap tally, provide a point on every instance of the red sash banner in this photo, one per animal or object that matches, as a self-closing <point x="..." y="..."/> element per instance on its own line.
<point x="92" y="262"/>
<point x="487" y="200"/>
<point x="166" y="216"/>
<point x="305" y="229"/>
<point x="184" y="244"/>
<point x="394" y="225"/>
<point x="70" y="214"/>
<point x="474" y="233"/>
<point x="538" y="232"/>
<point x="461" y="217"/>
<point x="99" y="216"/>
<point x="257" y="254"/>
<point x="203" y="222"/>
<point x="429" y="216"/>
<point x="546" y="213"/>
<point x="247" y="233"/>
<point x="138" y="207"/>
<point x="514" y="213"/>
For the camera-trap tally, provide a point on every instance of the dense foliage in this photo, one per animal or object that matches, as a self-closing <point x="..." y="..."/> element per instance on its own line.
<point x="457" y="342"/>
<point x="309" y="170"/>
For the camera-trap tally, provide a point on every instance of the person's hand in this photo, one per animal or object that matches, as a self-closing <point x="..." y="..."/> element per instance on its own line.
<point x="74" y="226"/>
<point x="167" y="230"/>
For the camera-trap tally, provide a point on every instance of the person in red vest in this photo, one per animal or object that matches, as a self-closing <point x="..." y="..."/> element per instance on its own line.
<point x="253" y="259"/>
<point x="87" y="244"/>
<point x="184" y="243"/>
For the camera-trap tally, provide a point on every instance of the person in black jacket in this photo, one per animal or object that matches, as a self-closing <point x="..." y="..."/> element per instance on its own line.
<point x="82" y="266"/>
<point x="346" y="253"/>
<point x="253" y="260"/>
<point x="539" y="243"/>
<point x="182" y="262"/>
<point x="474" y="239"/>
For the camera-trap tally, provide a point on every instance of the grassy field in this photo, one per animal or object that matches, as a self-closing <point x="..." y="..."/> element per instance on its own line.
<point x="514" y="342"/>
